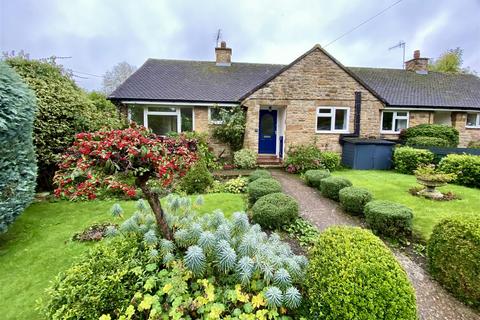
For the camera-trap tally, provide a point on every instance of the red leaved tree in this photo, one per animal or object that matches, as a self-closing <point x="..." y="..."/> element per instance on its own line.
<point x="95" y="160"/>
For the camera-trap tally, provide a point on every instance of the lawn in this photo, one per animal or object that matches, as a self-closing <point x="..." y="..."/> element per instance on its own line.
<point x="38" y="246"/>
<point x="389" y="185"/>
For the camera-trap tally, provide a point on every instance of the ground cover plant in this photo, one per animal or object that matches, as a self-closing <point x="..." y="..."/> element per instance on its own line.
<point x="39" y="245"/>
<point x="393" y="186"/>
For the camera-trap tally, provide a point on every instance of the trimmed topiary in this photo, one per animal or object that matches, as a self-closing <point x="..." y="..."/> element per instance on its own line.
<point x="389" y="218"/>
<point x="354" y="199"/>
<point x="18" y="168"/>
<point x="453" y="253"/>
<point x="259" y="173"/>
<point x="275" y="210"/>
<point x="353" y="275"/>
<point x="197" y="180"/>
<point x="313" y="177"/>
<point x="427" y="142"/>
<point x="408" y="159"/>
<point x="445" y="132"/>
<point x="261" y="187"/>
<point x="331" y="186"/>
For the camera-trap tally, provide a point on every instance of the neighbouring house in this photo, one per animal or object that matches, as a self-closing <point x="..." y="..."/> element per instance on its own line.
<point x="313" y="99"/>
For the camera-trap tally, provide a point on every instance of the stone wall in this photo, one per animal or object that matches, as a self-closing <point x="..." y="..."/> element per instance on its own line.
<point x="202" y="125"/>
<point x="459" y="120"/>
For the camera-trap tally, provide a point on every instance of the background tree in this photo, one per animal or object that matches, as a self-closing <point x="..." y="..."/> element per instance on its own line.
<point x="450" y="61"/>
<point x="98" y="159"/>
<point x="63" y="109"/>
<point x="115" y="77"/>
<point x="18" y="169"/>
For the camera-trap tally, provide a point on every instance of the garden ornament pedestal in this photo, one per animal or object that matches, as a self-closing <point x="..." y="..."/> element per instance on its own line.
<point x="430" y="190"/>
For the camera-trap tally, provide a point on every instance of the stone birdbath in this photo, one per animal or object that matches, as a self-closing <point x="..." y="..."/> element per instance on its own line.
<point x="431" y="179"/>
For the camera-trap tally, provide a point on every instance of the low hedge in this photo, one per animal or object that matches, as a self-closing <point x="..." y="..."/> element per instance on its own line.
<point x="274" y="210"/>
<point x="453" y="253"/>
<point x="261" y="187"/>
<point x="389" y="218"/>
<point x="197" y="180"/>
<point x="465" y="166"/>
<point x="259" y="173"/>
<point x="407" y="159"/>
<point x="330" y="160"/>
<point x="353" y="275"/>
<point x="427" y="142"/>
<point x="313" y="177"/>
<point x="354" y="199"/>
<point x="445" y="132"/>
<point x="331" y="186"/>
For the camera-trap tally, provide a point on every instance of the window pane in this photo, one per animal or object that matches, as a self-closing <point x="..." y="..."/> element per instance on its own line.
<point x="324" y="123"/>
<point x="136" y="115"/>
<point x="162" y="124"/>
<point x="187" y="119"/>
<point x="215" y="113"/>
<point x="267" y="126"/>
<point x="402" y="114"/>
<point x="387" y="123"/>
<point x="161" y="109"/>
<point x="340" y="119"/>
<point x="471" y="119"/>
<point x="400" y="124"/>
<point x="324" y="110"/>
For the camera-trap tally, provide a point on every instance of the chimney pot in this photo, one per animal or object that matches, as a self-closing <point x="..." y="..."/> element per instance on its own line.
<point x="416" y="54"/>
<point x="223" y="55"/>
<point x="417" y="64"/>
<point x="223" y="44"/>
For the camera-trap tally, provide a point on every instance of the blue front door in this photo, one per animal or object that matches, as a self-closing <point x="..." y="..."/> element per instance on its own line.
<point x="267" y="133"/>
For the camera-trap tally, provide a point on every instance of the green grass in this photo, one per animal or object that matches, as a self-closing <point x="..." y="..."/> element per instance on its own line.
<point x="389" y="185"/>
<point x="38" y="246"/>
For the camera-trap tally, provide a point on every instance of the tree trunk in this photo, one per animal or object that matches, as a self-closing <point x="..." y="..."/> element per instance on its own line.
<point x="156" y="206"/>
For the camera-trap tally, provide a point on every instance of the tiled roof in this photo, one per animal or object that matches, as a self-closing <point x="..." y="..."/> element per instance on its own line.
<point x="180" y="80"/>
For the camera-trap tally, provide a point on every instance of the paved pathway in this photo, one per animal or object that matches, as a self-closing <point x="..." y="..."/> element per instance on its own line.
<point x="432" y="300"/>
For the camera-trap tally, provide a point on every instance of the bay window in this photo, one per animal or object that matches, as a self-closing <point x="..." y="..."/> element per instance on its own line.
<point x="162" y="119"/>
<point x="394" y="121"/>
<point x="332" y="119"/>
<point x="473" y="120"/>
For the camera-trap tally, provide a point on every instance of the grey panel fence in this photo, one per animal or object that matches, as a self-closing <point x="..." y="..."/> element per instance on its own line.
<point x="442" y="152"/>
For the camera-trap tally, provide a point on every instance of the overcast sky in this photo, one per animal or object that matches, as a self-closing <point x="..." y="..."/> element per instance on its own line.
<point x="97" y="34"/>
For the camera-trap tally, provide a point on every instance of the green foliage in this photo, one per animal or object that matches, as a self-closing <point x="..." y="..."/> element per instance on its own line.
<point x="107" y="109"/>
<point x="474" y="144"/>
<point x="450" y="61"/>
<point x="300" y="158"/>
<point x="389" y="218"/>
<point x="420" y="141"/>
<point x="440" y="131"/>
<point x="303" y="231"/>
<point x="63" y="109"/>
<point x="330" y="160"/>
<point x="262" y="187"/>
<point x="102" y="282"/>
<point x="354" y="199"/>
<point x="204" y="150"/>
<point x="331" y="186"/>
<point x="345" y="259"/>
<point x="274" y="210"/>
<point x="429" y="173"/>
<point x="245" y="159"/>
<point x="454" y="257"/>
<point x="237" y="185"/>
<point x="407" y="159"/>
<point x="259" y="173"/>
<point x="197" y="180"/>
<point x="465" y="167"/>
<point x="231" y="128"/>
<point x="313" y="177"/>
<point x="18" y="169"/>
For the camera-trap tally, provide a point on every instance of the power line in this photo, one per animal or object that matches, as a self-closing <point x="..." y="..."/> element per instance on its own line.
<point x="88" y="74"/>
<point x="361" y="24"/>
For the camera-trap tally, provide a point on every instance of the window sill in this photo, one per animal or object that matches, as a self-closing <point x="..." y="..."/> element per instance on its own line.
<point x="472" y="127"/>
<point x="390" y="132"/>
<point x="215" y="122"/>
<point x="332" y="132"/>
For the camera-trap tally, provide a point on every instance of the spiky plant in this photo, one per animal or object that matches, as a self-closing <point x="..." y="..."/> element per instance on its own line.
<point x="150" y="238"/>
<point x="244" y="270"/>
<point x="240" y="223"/>
<point x="273" y="297"/>
<point x="207" y="242"/>
<point x="116" y="210"/>
<point x="111" y="231"/>
<point x="226" y="257"/>
<point x="282" y="278"/>
<point x="292" y="298"/>
<point x="223" y="232"/>
<point x="167" y="258"/>
<point x="248" y="245"/>
<point x="182" y="238"/>
<point x="141" y="206"/>
<point x="129" y="225"/>
<point x="195" y="260"/>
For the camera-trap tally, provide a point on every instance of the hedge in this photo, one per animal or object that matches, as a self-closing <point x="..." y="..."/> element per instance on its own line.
<point x="331" y="186"/>
<point x="261" y="187"/>
<point x="466" y="167"/>
<point x="197" y="179"/>
<point x="353" y="275"/>
<point x="330" y="160"/>
<point x="445" y="132"/>
<point x="259" y="173"/>
<point x="18" y="168"/>
<point x="453" y="253"/>
<point x="313" y="177"/>
<point x="354" y="199"/>
<point x="274" y="210"/>
<point x="407" y="159"/>
<point x="389" y="218"/>
<point x="427" y="142"/>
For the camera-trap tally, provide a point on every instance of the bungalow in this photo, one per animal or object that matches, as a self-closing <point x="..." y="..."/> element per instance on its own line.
<point x="313" y="99"/>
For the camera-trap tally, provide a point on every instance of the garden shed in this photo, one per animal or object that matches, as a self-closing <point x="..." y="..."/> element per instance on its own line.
<point x="367" y="154"/>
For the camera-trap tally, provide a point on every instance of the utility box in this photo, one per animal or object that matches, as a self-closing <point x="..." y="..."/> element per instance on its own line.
<point x="367" y="154"/>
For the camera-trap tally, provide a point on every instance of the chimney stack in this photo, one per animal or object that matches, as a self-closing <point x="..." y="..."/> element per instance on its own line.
<point x="223" y="55"/>
<point x="417" y="64"/>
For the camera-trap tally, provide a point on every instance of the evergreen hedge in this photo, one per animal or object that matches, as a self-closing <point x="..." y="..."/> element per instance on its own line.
<point x="313" y="177"/>
<point x="18" y="169"/>
<point x="354" y="199"/>
<point x="420" y="141"/>
<point x="331" y="186"/>
<point x="445" y="132"/>
<point x="408" y="159"/>
<point x="274" y="210"/>
<point x="259" y="173"/>
<point x="389" y="218"/>
<point x="262" y="187"/>
<point x="466" y="167"/>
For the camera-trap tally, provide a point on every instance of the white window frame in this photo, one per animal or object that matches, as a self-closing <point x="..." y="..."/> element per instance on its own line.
<point x="476" y="126"/>
<point x="210" y="121"/>
<point x="331" y="115"/>
<point x="176" y="113"/>
<point x="394" y="118"/>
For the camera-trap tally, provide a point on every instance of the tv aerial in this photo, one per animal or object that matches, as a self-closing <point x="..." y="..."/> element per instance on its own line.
<point x="400" y="44"/>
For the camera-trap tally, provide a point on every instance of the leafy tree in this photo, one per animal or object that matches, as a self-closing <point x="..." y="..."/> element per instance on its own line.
<point x="115" y="77"/>
<point x="18" y="169"/>
<point x="63" y="109"/>
<point x="450" y="61"/>
<point x="231" y="128"/>
<point x="97" y="159"/>
<point x="112" y="118"/>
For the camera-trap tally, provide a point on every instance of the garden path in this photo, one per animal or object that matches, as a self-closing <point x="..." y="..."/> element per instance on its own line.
<point x="433" y="301"/>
